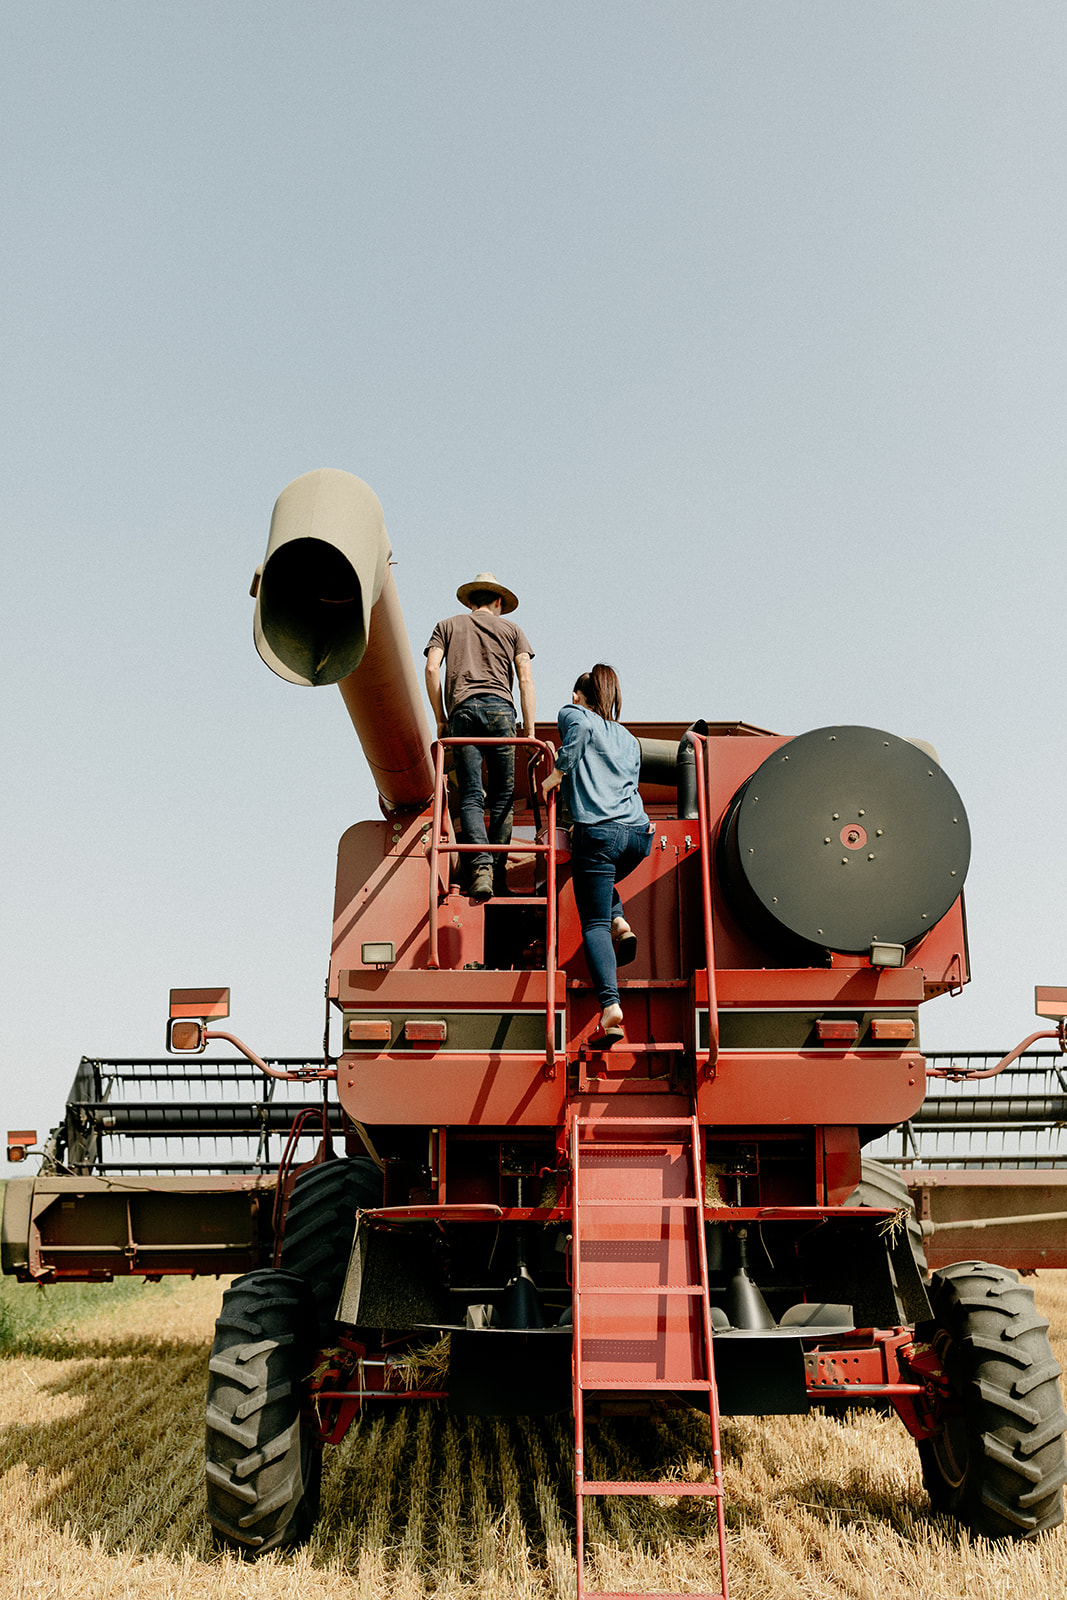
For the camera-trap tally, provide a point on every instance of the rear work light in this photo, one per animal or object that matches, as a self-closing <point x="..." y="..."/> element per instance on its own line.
<point x="378" y="953"/>
<point x="887" y="955"/>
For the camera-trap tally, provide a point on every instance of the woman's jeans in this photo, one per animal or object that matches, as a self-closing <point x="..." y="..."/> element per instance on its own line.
<point x="602" y="854"/>
<point x="485" y="716"/>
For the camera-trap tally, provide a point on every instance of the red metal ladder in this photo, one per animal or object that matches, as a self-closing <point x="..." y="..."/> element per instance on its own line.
<point x="642" y="1320"/>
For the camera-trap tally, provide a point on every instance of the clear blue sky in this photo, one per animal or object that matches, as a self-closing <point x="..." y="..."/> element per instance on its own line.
<point x="732" y="336"/>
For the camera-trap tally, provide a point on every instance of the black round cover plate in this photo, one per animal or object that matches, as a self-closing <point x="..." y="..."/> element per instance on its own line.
<point x="850" y="835"/>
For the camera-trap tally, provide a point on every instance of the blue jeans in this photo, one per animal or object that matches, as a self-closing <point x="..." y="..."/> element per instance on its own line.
<point x="602" y="854"/>
<point x="485" y="716"/>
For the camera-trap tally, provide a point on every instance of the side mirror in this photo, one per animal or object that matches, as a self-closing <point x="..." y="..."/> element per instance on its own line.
<point x="1051" y="1003"/>
<point x="186" y="1036"/>
<point x="20" y="1143"/>
<point x="190" y="1012"/>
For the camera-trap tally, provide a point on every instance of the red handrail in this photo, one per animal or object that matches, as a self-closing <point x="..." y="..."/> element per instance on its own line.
<point x="699" y="743"/>
<point x="441" y="844"/>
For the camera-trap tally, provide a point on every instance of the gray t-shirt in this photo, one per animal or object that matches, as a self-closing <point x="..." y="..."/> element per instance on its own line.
<point x="480" y="650"/>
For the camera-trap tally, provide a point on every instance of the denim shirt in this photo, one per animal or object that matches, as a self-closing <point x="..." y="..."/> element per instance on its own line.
<point x="601" y="763"/>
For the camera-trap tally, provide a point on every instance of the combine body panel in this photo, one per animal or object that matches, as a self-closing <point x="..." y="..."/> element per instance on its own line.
<point x="502" y="1216"/>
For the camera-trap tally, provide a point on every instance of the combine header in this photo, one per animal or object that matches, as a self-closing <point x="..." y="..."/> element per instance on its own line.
<point x="475" y="1205"/>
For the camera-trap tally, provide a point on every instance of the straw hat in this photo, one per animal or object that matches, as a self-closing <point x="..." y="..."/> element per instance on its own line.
<point x="485" y="580"/>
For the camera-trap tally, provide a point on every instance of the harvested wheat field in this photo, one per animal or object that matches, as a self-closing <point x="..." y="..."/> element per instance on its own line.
<point x="101" y="1453"/>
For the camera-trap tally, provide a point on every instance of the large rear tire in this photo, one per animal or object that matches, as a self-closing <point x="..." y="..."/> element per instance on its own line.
<point x="263" y="1468"/>
<point x="998" y="1463"/>
<point x="319" y="1226"/>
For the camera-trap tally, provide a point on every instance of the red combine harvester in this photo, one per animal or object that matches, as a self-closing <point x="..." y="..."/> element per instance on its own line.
<point x="496" y="1214"/>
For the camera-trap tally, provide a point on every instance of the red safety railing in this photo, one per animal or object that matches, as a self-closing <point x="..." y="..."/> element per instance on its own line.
<point x="441" y="844"/>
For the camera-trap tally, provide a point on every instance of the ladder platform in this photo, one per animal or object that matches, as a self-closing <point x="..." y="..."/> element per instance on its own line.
<point x="651" y="1488"/>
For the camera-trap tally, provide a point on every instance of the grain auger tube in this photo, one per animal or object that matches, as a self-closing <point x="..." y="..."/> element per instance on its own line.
<point x="327" y="611"/>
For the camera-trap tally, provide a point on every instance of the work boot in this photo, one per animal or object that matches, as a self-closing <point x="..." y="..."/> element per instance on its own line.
<point x="482" y="883"/>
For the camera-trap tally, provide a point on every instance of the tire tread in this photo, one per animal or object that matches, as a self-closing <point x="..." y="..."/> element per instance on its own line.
<point x="320" y="1224"/>
<point x="262" y="1471"/>
<point x="1010" y="1446"/>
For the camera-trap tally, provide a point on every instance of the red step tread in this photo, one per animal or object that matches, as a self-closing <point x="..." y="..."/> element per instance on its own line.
<point x="650" y="1488"/>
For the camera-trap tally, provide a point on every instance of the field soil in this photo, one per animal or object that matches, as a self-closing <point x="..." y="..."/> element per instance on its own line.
<point x="101" y="1451"/>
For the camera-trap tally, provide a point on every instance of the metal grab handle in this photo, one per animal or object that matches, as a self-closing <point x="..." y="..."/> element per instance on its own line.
<point x="531" y="787"/>
<point x="699" y="743"/>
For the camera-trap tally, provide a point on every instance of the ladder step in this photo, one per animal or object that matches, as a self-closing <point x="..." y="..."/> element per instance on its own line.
<point x="645" y="1205"/>
<point x="606" y="1385"/>
<point x="671" y="1046"/>
<point x="636" y="1594"/>
<point x="632" y="1122"/>
<point x="650" y="1488"/>
<point x="630" y="1147"/>
<point x="626" y="1288"/>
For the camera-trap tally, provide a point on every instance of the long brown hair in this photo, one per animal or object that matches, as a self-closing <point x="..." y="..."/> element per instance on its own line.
<point x="599" y="687"/>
